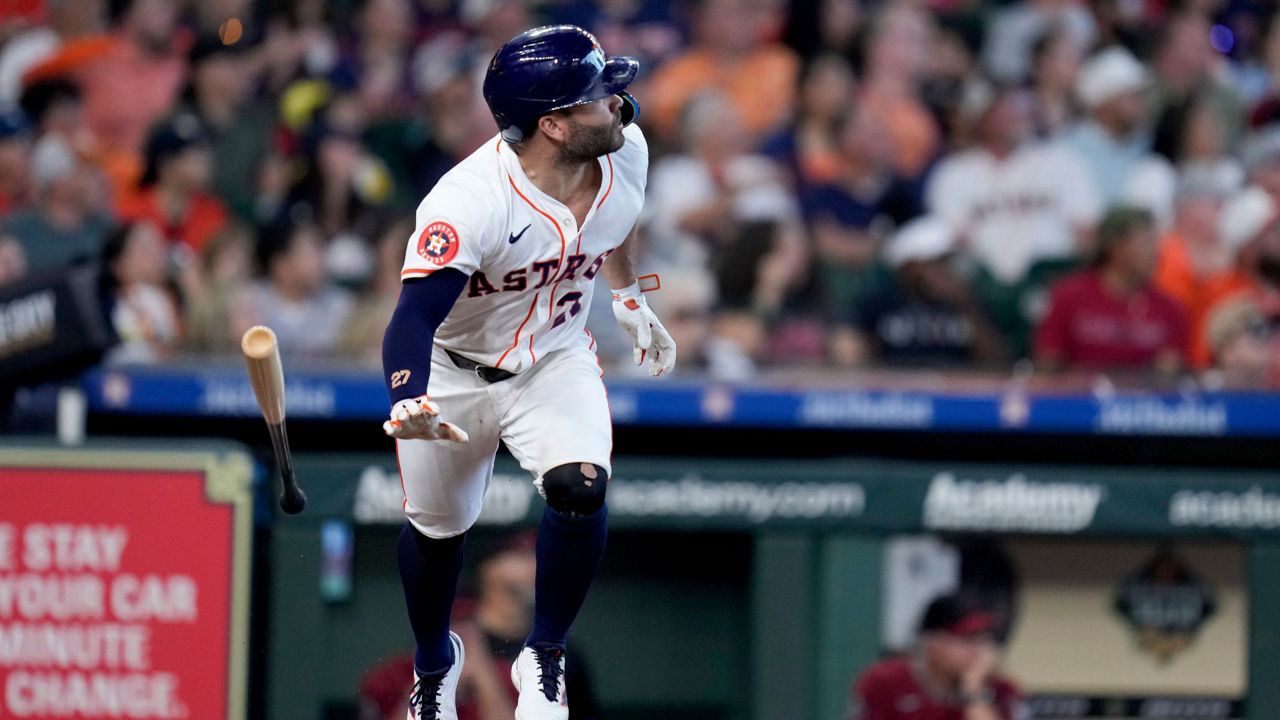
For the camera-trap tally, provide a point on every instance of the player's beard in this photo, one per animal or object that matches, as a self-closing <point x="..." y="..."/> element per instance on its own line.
<point x="586" y="143"/>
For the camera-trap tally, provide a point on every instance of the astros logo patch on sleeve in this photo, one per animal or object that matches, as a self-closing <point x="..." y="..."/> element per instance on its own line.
<point x="438" y="243"/>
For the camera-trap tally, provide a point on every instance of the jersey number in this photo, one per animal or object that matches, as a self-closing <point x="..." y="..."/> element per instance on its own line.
<point x="574" y="309"/>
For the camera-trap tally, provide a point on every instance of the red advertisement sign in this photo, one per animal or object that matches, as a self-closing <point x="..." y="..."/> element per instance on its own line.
<point x="117" y="590"/>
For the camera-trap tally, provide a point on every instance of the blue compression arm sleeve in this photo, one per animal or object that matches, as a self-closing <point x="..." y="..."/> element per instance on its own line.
<point x="406" y="346"/>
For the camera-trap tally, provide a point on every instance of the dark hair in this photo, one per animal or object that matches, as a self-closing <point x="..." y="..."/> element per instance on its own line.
<point x="1116" y="226"/>
<point x="277" y="238"/>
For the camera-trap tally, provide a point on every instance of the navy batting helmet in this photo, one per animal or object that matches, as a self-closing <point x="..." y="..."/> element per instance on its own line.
<point x="552" y="68"/>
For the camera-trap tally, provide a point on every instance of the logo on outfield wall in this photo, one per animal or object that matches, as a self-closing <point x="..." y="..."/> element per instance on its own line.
<point x="1165" y="604"/>
<point x="1013" y="503"/>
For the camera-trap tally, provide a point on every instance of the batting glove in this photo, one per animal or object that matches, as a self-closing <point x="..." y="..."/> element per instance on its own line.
<point x="651" y="340"/>
<point x="419" y="419"/>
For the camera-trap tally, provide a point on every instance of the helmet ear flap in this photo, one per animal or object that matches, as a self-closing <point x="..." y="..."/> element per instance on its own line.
<point x="630" y="108"/>
<point x="512" y="134"/>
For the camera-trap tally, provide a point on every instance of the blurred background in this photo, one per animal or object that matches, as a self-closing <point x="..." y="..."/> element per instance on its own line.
<point x="975" y="299"/>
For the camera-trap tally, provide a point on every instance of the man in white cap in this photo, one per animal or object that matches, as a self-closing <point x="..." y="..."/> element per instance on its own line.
<point x="1249" y="226"/>
<point x="926" y="315"/>
<point x="1112" y="85"/>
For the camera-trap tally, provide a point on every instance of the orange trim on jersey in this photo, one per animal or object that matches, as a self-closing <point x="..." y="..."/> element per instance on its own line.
<point x="592" y="346"/>
<point x="532" y="357"/>
<point x="543" y="213"/>
<point x="610" y="188"/>
<point x="559" y="264"/>
<point x="404" y="273"/>
<point x="515" y="343"/>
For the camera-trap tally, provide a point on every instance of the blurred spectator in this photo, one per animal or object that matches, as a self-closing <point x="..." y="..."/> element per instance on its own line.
<point x="13" y="261"/>
<point x="952" y="674"/>
<point x="1255" y="76"/>
<point x="826" y="27"/>
<point x="810" y="147"/>
<point x="1250" y="226"/>
<point x="849" y="215"/>
<point x="238" y="131"/>
<point x="174" y="190"/>
<point x="1187" y="66"/>
<point x="496" y="633"/>
<point x="1112" y="85"/>
<point x="685" y="304"/>
<point x="451" y="121"/>
<point x="343" y="187"/>
<point x="925" y="314"/>
<point x="376" y="59"/>
<point x="1055" y="61"/>
<point x="15" y="155"/>
<point x="699" y="200"/>
<point x="1111" y="317"/>
<point x="951" y="68"/>
<point x="56" y="107"/>
<point x="1014" y="30"/>
<point x="733" y="52"/>
<point x="895" y="62"/>
<point x="1261" y="157"/>
<point x="295" y="298"/>
<point x="1193" y="261"/>
<point x="130" y="80"/>
<point x="143" y="311"/>
<point x="211" y="283"/>
<point x="66" y="224"/>
<point x="65" y="20"/>
<point x="1244" y="346"/>
<point x="384" y="689"/>
<point x="1014" y="199"/>
<point x="1190" y="135"/>
<point x="362" y="337"/>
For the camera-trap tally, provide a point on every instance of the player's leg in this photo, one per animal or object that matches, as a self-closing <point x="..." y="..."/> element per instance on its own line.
<point x="560" y="430"/>
<point x="444" y="485"/>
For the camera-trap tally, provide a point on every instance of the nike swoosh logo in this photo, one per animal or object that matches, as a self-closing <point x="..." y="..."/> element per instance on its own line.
<point x="512" y="240"/>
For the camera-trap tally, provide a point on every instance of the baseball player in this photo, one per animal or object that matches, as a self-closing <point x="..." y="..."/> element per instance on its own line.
<point x="488" y="343"/>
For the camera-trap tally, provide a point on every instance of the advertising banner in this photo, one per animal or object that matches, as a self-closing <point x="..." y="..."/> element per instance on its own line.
<point x="123" y="584"/>
<point x="876" y="496"/>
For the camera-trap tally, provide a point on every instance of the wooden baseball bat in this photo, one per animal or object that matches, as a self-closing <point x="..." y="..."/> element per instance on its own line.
<point x="262" y="355"/>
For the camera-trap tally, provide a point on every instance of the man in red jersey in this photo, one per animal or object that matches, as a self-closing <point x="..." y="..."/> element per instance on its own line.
<point x="950" y="675"/>
<point x="1111" y="316"/>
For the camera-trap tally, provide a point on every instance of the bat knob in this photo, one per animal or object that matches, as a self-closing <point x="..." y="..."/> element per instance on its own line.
<point x="293" y="502"/>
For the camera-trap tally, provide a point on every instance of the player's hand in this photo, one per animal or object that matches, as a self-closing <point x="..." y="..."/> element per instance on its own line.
<point x="978" y="673"/>
<point x="650" y="338"/>
<point x="419" y="419"/>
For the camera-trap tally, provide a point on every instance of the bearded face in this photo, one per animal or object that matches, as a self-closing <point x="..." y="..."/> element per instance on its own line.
<point x="588" y="142"/>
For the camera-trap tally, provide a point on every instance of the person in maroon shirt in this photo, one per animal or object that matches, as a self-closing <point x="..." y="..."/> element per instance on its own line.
<point x="1111" y="316"/>
<point x="951" y="675"/>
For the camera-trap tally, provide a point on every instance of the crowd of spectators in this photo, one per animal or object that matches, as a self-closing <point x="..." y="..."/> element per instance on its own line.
<point x="1088" y="184"/>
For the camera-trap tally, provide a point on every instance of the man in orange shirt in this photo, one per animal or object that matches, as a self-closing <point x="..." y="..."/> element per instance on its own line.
<point x="1194" y="260"/>
<point x="175" y="186"/>
<point x="735" y="52"/>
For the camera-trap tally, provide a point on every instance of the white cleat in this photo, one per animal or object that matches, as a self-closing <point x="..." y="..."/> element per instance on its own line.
<point x="539" y="676"/>
<point x="435" y="696"/>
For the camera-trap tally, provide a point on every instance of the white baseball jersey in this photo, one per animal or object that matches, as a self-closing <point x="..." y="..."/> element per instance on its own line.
<point x="531" y="266"/>
<point x="1018" y="210"/>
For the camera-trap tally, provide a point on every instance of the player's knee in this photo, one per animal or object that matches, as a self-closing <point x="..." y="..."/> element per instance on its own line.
<point x="575" y="488"/>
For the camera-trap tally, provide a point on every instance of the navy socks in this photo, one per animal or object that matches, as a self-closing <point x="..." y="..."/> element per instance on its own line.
<point x="569" y="551"/>
<point x="429" y="572"/>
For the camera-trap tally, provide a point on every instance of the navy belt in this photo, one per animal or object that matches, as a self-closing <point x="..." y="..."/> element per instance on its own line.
<point x="484" y="372"/>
